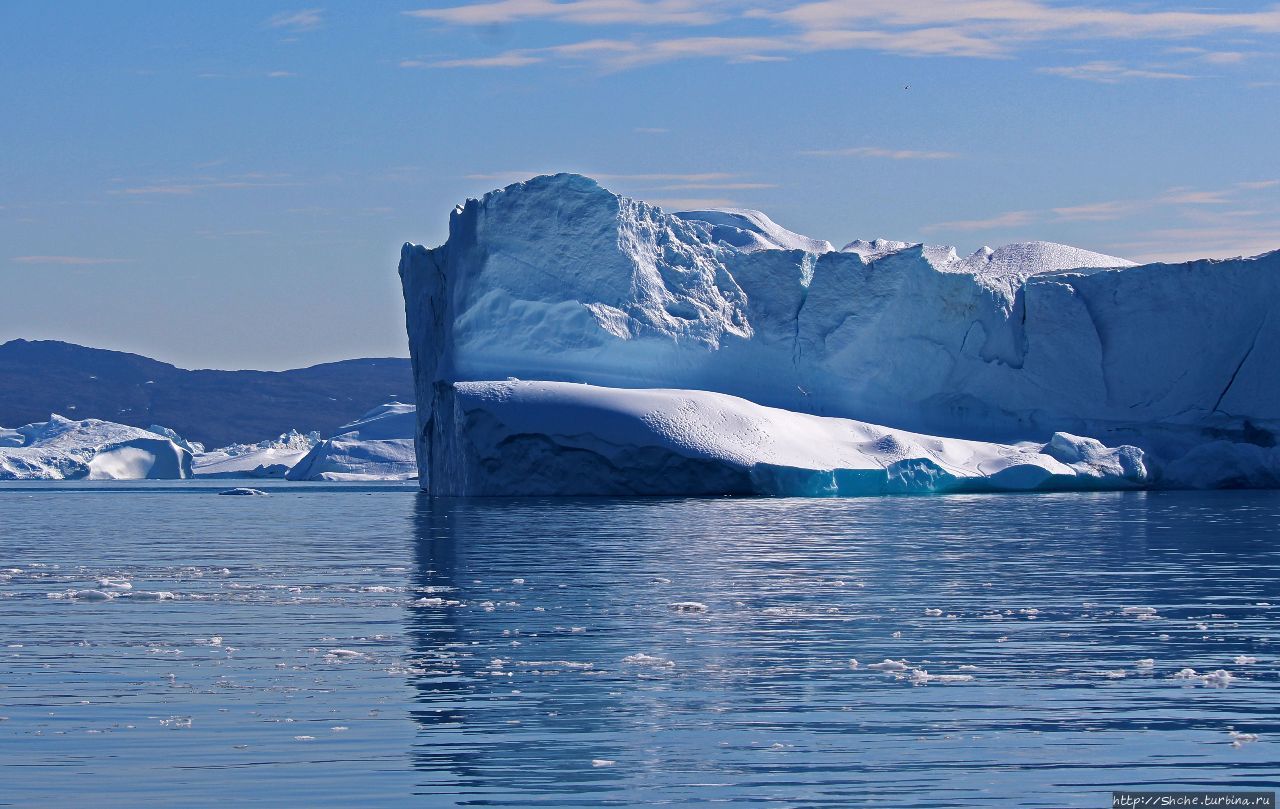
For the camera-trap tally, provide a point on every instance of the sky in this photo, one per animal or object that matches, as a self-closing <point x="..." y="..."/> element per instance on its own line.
<point x="228" y="184"/>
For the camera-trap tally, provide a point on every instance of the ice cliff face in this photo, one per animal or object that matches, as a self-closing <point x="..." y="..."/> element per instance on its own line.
<point x="558" y="279"/>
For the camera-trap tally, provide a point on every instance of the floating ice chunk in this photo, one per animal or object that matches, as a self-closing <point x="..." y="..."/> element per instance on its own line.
<point x="244" y="491"/>
<point x="1219" y="678"/>
<point x="1239" y="739"/>
<point x="177" y="722"/>
<point x="378" y="588"/>
<point x="642" y="659"/>
<point x="889" y="665"/>
<point x="932" y="612"/>
<point x="517" y="581"/>
<point x="853" y="662"/>
<point x="339" y="728"/>
<point x="304" y="738"/>
<point x="437" y="601"/>
<point x="343" y="654"/>
<point x="1139" y="610"/>
<point x="1245" y="660"/>
<point x="602" y="762"/>
<point x="90" y="595"/>
<point x="1145" y="663"/>
<point x="152" y="595"/>
<point x="689" y="607"/>
<point x="114" y="584"/>
<point x="1113" y="674"/>
<point x="922" y="677"/>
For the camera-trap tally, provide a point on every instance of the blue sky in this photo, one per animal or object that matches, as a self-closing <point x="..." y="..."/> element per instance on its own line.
<point x="227" y="185"/>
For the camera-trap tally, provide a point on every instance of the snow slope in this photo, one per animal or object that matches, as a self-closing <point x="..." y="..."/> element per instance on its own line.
<point x="62" y="449"/>
<point x="559" y="279"/>
<point x="377" y="446"/>
<point x="751" y="230"/>
<point x="265" y="459"/>
<point x="558" y="438"/>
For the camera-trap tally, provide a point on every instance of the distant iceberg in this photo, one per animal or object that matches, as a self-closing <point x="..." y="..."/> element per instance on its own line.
<point x="377" y="446"/>
<point x="559" y="280"/>
<point x="265" y="459"/>
<point x="63" y="449"/>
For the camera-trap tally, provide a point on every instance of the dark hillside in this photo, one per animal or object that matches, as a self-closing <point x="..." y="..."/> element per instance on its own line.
<point x="215" y="407"/>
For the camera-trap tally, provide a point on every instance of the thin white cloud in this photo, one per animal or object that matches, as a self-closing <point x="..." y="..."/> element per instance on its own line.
<point x="1105" y="72"/>
<point x="68" y="261"/>
<point x="579" y="12"/>
<point x="308" y="19"/>
<point x="281" y="74"/>
<point x="1026" y="19"/>
<point x="717" y="186"/>
<point x="1097" y="211"/>
<point x="1213" y="240"/>
<point x="781" y="29"/>
<point x="1190" y="196"/>
<point x="1009" y="219"/>
<point x="693" y="203"/>
<point x="508" y="59"/>
<point x="189" y="186"/>
<point x="697" y="177"/>
<point x="704" y="177"/>
<point x="877" y="151"/>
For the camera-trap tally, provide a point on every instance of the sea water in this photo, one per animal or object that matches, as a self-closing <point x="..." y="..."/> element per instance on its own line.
<point x="354" y="645"/>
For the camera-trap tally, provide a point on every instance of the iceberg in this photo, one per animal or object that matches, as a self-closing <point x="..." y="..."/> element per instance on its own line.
<point x="558" y="280"/>
<point x="63" y="449"/>
<point x="562" y="438"/>
<point x="265" y="459"/>
<point x="377" y="446"/>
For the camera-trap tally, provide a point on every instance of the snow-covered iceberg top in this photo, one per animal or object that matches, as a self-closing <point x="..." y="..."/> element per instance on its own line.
<point x="64" y="449"/>
<point x="558" y="279"/>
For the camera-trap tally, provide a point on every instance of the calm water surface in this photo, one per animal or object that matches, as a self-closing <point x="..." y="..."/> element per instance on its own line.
<point x="337" y="645"/>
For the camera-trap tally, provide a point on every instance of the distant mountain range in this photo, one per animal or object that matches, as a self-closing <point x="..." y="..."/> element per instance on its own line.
<point x="214" y="407"/>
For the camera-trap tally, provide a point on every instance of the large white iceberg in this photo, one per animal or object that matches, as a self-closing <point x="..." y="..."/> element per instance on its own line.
<point x="559" y="280"/>
<point x="63" y="449"/>
<point x="377" y="446"/>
